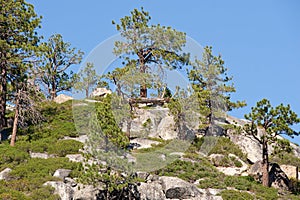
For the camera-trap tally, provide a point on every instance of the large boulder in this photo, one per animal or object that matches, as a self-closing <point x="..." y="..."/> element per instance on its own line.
<point x="62" y="173"/>
<point x="290" y="171"/>
<point x="277" y="178"/>
<point x="85" y="192"/>
<point x="62" y="98"/>
<point x="151" y="191"/>
<point x="177" y="188"/>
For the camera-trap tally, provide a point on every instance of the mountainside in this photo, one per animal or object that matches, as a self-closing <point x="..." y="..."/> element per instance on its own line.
<point x="49" y="161"/>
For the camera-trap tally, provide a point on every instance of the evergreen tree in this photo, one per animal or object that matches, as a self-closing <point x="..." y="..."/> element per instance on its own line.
<point x="18" y="41"/>
<point x="146" y="47"/>
<point x="57" y="57"/>
<point x="212" y="86"/>
<point x="266" y="124"/>
<point x="87" y="78"/>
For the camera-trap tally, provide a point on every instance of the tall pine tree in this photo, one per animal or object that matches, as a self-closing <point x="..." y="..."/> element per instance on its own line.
<point x="18" y="41"/>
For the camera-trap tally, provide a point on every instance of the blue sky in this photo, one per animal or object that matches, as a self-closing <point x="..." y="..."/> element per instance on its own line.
<point x="259" y="40"/>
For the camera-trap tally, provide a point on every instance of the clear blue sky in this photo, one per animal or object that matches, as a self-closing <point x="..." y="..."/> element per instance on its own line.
<point x="259" y="40"/>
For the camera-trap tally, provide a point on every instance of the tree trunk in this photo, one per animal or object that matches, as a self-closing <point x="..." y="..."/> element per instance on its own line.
<point x="15" y="125"/>
<point x="3" y="92"/>
<point x="265" y="165"/>
<point x="53" y="89"/>
<point x="143" y="88"/>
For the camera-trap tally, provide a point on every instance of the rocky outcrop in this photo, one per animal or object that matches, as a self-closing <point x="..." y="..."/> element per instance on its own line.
<point x="62" y="98"/>
<point x="62" y="173"/>
<point x="278" y="179"/>
<point x="290" y="171"/>
<point x="64" y="191"/>
<point x="75" y="157"/>
<point x="141" y="143"/>
<point x="4" y="175"/>
<point x="41" y="155"/>
<point x="173" y="188"/>
<point x="100" y="92"/>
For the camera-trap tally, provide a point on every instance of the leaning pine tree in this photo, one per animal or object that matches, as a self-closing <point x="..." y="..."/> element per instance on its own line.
<point x="266" y="124"/>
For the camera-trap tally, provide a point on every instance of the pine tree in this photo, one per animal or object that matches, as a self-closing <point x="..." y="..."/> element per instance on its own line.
<point x="57" y="57"/>
<point x="87" y="78"/>
<point x="212" y="86"/>
<point x="147" y="47"/>
<point x="266" y="124"/>
<point x="18" y="41"/>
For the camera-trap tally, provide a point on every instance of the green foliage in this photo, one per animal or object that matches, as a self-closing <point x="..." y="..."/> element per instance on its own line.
<point x="87" y="78"/>
<point x="10" y="156"/>
<point x="285" y="158"/>
<point x="145" y="45"/>
<point x="10" y="194"/>
<point x="57" y="57"/>
<point x="217" y="145"/>
<point x="37" y="168"/>
<point x="63" y="147"/>
<point x="235" y="195"/>
<point x="190" y="171"/>
<point x="45" y="192"/>
<point x="211" y="85"/>
<point x="272" y="122"/>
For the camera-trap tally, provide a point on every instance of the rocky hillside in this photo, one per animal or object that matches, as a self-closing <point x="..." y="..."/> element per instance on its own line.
<point x="48" y="161"/>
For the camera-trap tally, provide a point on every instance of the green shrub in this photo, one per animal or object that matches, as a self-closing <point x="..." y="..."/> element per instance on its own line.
<point x="41" y="169"/>
<point x="10" y="156"/>
<point x="189" y="171"/>
<point x="235" y="195"/>
<point x="45" y="192"/>
<point x="64" y="147"/>
<point x="217" y="145"/>
<point x="9" y="194"/>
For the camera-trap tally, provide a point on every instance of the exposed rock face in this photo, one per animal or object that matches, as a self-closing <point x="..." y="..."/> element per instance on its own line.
<point x="154" y="122"/>
<point x="4" y="175"/>
<point x="62" y="173"/>
<point x="290" y="171"/>
<point x="100" y="92"/>
<point x="63" y="190"/>
<point x="278" y="179"/>
<point x="62" y="98"/>
<point x="41" y="155"/>
<point x="249" y="146"/>
<point x="87" y="192"/>
<point x="75" y="157"/>
<point x="151" y="191"/>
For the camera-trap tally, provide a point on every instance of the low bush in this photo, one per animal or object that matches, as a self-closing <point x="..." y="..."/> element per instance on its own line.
<point x="235" y="195"/>
<point x="64" y="147"/>
<point x="10" y="156"/>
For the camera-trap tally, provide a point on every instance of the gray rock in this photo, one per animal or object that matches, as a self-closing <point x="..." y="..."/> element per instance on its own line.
<point x="62" y="173"/>
<point x="85" y="192"/>
<point x="41" y="155"/>
<point x="278" y="179"/>
<point x="100" y="92"/>
<point x="190" y="190"/>
<point x="81" y="138"/>
<point x="142" y="175"/>
<point x="4" y="175"/>
<point x="151" y="191"/>
<point x="177" y="193"/>
<point x="64" y="191"/>
<point x="75" y="157"/>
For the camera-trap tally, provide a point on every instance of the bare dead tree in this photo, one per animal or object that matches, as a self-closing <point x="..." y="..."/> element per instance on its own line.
<point x="26" y="107"/>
